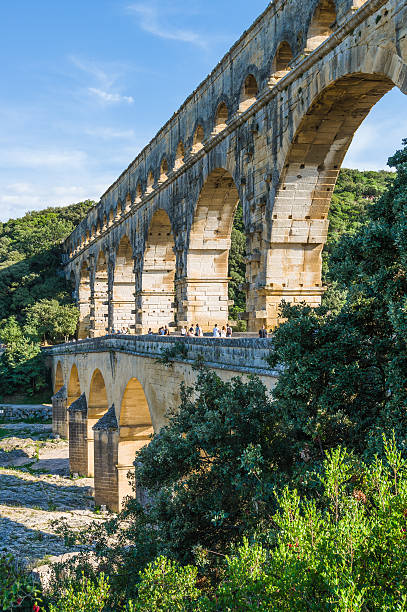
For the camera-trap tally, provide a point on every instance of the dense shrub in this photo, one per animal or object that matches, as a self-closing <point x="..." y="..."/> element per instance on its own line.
<point x="18" y="589"/>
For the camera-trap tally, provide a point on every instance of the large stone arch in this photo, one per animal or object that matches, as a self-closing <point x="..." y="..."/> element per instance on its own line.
<point x="323" y="125"/>
<point x="208" y="251"/>
<point x="84" y="301"/>
<point x="124" y="287"/>
<point x="100" y="322"/>
<point x="96" y="408"/>
<point x="135" y="431"/>
<point x="156" y="299"/>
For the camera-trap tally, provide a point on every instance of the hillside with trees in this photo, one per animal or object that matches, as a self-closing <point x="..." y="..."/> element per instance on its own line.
<point x="35" y="300"/>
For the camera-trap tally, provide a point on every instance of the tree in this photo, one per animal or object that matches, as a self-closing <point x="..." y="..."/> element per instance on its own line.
<point x="344" y="373"/>
<point x="52" y="320"/>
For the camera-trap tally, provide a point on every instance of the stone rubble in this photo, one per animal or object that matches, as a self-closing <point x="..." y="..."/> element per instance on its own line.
<point x="36" y="490"/>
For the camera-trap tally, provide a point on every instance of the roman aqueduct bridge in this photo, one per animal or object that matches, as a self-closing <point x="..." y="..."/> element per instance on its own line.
<point x="268" y="128"/>
<point x="113" y="392"/>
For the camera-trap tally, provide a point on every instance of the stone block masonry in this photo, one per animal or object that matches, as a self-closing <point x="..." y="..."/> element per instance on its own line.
<point x="269" y="127"/>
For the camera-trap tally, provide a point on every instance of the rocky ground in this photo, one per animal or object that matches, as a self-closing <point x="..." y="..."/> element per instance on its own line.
<point x="36" y="490"/>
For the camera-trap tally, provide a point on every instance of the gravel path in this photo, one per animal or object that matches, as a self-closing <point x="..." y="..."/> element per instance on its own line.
<point x="36" y="490"/>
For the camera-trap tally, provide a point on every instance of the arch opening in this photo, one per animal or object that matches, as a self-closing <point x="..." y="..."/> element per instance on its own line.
<point x="123" y="302"/>
<point x="59" y="378"/>
<point x="74" y="388"/>
<point x="249" y="93"/>
<point x="150" y="182"/>
<point x="322" y="24"/>
<point x="101" y="296"/>
<point x="199" y="136"/>
<point x="208" y="254"/>
<point x="158" y="277"/>
<point x="135" y="431"/>
<point x="97" y="407"/>
<point x="221" y="118"/>
<point x="179" y="156"/>
<point x="84" y="302"/>
<point x="281" y="62"/>
<point x="164" y="171"/>
<point x="139" y="193"/>
<point x="312" y="165"/>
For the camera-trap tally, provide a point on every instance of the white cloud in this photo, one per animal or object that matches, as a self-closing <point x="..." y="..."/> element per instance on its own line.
<point x="104" y="79"/>
<point x="39" y="158"/>
<point x="107" y="133"/>
<point x="110" y="98"/>
<point x="150" y="22"/>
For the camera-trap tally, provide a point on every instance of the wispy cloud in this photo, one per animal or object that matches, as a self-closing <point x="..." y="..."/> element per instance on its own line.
<point x="110" y="98"/>
<point x="104" y="79"/>
<point x="107" y="133"/>
<point x="41" y="158"/>
<point x="151" y="21"/>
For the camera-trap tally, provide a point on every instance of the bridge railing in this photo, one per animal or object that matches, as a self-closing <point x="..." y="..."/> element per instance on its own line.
<point x="242" y="355"/>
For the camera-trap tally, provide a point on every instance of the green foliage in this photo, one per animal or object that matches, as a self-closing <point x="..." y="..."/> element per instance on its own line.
<point x="165" y="585"/>
<point x="344" y="373"/>
<point x="169" y="354"/>
<point x="345" y="552"/>
<point x="52" y="320"/>
<point x="237" y="265"/>
<point x="35" y="301"/>
<point x="17" y="587"/>
<point x="83" y="596"/>
<point x="205" y="467"/>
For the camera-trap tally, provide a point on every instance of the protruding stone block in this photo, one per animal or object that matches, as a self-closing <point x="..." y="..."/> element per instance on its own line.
<point x="106" y="432"/>
<point x="59" y="412"/>
<point x="78" y="446"/>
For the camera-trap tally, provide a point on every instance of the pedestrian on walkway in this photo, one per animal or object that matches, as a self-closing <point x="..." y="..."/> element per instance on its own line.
<point x="263" y="332"/>
<point x="215" y="332"/>
<point x="228" y="331"/>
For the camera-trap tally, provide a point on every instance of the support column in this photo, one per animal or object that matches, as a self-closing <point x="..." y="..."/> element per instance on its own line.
<point x="78" y="445"/>
<point x="59" y="412"/>
<point x="106" y="432"/>
<point x="132" y="439"/>
<point x="204" y="301"/>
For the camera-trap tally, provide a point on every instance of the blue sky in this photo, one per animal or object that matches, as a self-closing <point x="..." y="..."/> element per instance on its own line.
<point x="85" y="84"/>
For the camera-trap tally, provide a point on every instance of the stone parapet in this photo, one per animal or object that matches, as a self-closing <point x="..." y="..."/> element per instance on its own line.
<point x="241" y="355"/>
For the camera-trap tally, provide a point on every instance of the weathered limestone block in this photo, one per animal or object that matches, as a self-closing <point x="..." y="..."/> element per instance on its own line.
<point x="78" y="445"/>
<point x="106" y="441"/>
<point x="59" y="412"/>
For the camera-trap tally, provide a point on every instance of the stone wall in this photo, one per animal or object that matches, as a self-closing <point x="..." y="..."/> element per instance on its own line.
<point x="22" y="413"/>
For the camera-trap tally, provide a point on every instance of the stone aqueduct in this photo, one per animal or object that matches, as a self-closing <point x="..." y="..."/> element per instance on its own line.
<point x="269" y="127"/>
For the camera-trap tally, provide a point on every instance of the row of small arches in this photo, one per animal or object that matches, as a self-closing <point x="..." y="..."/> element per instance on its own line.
<point x="320" y="28"/>
<point x="248" y="97"/>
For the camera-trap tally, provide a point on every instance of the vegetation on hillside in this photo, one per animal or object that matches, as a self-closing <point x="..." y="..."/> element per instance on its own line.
<point x="253" y="502"/>
<point x="35" y="299"/>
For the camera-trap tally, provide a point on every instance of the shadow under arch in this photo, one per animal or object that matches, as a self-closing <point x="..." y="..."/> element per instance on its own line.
<point x="59" y="377"/>
<point x="73" y="393"/>
<point x="307" y="181"/>
<point x="124" y="287"/>
<point x="101" y="295"/>
<point x="135" y="431"/>
<point x="97" y="407"/>
<point x="158" y="277"/>
<point x="208" y="252"/>
<point x="84" y="303"/>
